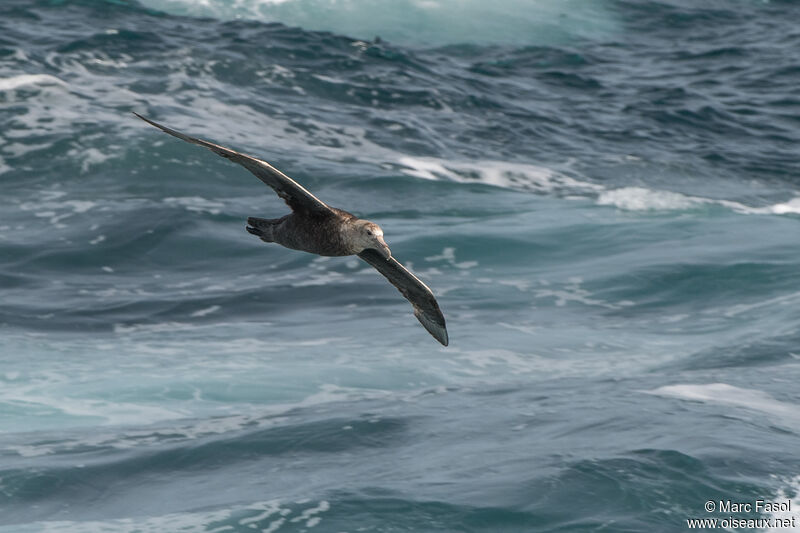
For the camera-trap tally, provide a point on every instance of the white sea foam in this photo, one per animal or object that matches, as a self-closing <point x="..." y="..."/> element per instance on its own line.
<point x="273" y="526"/>
<point x="324" y="278"/>
<point x="543" y="180"/>
<point x="153" y="436"/>
<point x="724" y="394"/>
<point x="572" y="291"/>
<point x="308" y="514"/>
<point x="59" y="105"/>
<point x="498" y="173"/>
<point x="784" y="208"/>
<point x="498" y="364"/>
<point x="152" y="426"/>
<point x="522" y="285"/>
<point x="326" y="140"/>
<point x="792" y="206"/>
<point x="90" y="157"/>
<point x="110" y="413"/>
<point x="449" y="255"/>
<point x="421" y="21"/>
<point x="55" y="208"/>
<point x="93" y="95"/>
<point x="790" y="492"/>
<point x="123" y="329"/>
<point x="784" y="299"/>
<point x="642" y="199"/>
<point x="196" y="204"/>
<point x="208" y="521"/>
<point x="483" y="362"/>
<point x="19" y="149"/>
<point x="206" y="311"/>
<point x="26" y="80"/>
<point x="271" y="508"/>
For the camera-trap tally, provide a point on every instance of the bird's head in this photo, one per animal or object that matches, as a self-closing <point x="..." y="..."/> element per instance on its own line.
<point x="370" y="235"/>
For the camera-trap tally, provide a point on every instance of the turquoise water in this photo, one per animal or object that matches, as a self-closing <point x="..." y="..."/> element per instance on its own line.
<point x="604" y="198"/>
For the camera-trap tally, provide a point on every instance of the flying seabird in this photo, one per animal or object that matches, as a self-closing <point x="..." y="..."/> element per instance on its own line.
<point x="315" y="227"/>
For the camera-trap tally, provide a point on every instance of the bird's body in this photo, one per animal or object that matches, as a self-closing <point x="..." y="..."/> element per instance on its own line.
<point x="316" y="234"/>
<point x="330" y="234"/>
<point x="317" y="228"/>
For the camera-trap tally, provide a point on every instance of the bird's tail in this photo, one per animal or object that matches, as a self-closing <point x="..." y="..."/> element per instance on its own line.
<point x="262" y="227"/>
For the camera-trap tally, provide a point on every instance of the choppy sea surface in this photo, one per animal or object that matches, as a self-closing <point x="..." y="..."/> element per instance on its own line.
<point x="604" y="196"/>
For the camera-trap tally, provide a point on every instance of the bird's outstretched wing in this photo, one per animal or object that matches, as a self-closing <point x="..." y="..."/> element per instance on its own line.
<point x="292" y="192"/>
<point x="425" y="307"/>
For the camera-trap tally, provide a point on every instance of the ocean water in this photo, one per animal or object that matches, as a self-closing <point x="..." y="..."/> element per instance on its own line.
<point x="604" y="196"/>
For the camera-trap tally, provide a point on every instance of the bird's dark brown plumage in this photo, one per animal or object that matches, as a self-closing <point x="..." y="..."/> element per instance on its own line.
<point x="317" y="228"/>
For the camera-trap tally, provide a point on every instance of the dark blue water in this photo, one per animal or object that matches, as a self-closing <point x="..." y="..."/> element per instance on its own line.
<point x="603" y="196"/>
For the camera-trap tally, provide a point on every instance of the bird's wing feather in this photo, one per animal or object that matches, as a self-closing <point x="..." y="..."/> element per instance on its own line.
<point x="426" y="309"/>
<point x="292" y="192"/>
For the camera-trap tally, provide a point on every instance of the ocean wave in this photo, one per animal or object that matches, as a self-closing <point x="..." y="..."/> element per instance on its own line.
<point x="26" y="80"/>
<point x="789" y="489"/>
<point x="644" y="199"/>
<point x="269" y="516"/>
<point x="784" y="413"/>
<point x="421" y="22"/>
<point x="543" y="180"/>
<point x="497" y="173"/>
<point x="601" y="208"/>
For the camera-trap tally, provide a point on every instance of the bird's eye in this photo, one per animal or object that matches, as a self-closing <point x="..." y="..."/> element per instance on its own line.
<point x="369" y="232"/>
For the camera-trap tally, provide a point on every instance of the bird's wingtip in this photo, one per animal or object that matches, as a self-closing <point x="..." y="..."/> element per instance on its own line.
<point x="444" y="339"/>
<point x="144" y="118"/>
<point x="435" y="326"/>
